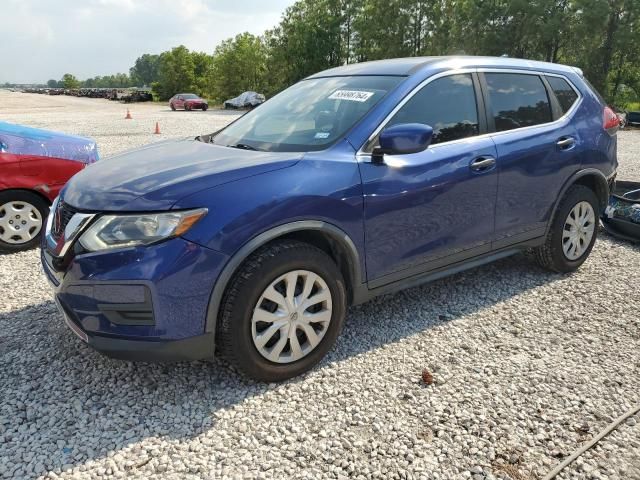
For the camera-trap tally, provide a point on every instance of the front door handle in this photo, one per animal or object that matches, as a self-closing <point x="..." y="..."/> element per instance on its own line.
<point x="565" y="143"/>
<point x="482" y="164"/>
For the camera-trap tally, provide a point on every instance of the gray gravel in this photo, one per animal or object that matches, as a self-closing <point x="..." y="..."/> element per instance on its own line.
<point x="527" y="365"/>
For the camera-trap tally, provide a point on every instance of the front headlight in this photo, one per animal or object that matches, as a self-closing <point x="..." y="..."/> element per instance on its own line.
<point x="118" y="231"/>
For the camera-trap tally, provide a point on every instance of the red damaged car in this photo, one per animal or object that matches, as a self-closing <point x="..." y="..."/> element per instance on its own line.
<point x="34" y="166"/>
<point x="188" y="101"/>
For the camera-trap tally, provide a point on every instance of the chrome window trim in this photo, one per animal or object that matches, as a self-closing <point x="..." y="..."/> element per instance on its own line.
<point x="361" y="153"/>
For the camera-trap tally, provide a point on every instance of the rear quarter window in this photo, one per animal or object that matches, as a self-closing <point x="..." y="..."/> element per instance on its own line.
<point x="517" y="100"/>
<point x="565" y="94"/>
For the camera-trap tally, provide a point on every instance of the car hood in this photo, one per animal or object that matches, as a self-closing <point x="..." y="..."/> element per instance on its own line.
<point x="155" y="177"/>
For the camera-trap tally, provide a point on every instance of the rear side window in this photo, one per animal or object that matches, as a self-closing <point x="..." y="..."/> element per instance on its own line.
<point x="566" y="95"/>
<point x="447" y="104"/>
<point x="517" y="100"/>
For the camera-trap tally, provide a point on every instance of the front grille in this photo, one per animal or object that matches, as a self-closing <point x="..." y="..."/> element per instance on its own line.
<point x="61" y="218"/>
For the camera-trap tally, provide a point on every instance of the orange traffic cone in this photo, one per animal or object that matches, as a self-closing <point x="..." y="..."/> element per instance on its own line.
<point x="128" y="117"/>
<point x="157" y="132"/>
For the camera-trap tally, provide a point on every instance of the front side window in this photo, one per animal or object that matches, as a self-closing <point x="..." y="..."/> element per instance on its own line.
<point x="517" y="100"/>
<point x="308" y="116"/>
<point x="448" y="105"/>
<point x="566" y="95"/>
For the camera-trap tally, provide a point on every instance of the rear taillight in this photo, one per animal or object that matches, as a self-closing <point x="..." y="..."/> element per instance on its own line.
<point x="610" y="120"/>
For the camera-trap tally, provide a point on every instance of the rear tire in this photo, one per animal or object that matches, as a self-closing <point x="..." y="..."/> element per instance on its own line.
<point x="268" y="340"/>
<point x="205" y="107"/>
<point x="573" y="231"/>
<point x="23" y="216"/>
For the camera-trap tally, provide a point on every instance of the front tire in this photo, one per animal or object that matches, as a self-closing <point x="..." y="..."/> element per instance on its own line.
<point x="573" y="231"/>
<point x="22" y="218"/>
<point x="282" y="311"/>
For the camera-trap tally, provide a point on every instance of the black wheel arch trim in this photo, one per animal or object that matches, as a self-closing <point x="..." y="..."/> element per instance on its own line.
<point x="602" y="180"/>
<point x="34" y="191"/>
<point x="357" y="275"/>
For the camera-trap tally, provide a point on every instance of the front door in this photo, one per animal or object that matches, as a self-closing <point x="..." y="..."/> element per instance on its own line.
<point x="436" y="207"/>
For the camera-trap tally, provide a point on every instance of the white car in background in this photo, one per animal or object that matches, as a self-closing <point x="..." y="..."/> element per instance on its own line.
<point x="245" y="100"/>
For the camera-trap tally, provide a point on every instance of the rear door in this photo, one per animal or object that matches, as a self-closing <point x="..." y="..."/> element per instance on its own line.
<point x="537" y="151"/>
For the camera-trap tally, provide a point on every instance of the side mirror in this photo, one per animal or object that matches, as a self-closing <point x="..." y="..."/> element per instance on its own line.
<point x="403" y="139"/>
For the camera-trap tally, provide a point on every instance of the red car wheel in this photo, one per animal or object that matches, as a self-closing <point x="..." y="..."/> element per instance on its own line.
<point x="22" y="218"/>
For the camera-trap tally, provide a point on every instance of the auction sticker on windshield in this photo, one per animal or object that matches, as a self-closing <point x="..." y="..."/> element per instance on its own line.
<point x="351" y="95"/>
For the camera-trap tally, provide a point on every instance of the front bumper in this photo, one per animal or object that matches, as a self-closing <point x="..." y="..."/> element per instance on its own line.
<point x="147" y="303"/>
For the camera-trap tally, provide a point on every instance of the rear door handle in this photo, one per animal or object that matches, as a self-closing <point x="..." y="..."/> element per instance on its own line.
<point x="565" y="143"/>
<point x="483" y="164"/>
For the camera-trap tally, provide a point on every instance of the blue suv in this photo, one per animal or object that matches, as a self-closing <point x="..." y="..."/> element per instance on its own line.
<point x="357" y="181"/>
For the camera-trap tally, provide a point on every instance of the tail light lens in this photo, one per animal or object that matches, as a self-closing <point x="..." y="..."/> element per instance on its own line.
<point x="610" y="120"/>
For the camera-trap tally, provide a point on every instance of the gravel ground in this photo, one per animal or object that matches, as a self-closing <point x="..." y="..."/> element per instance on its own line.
<point x="528" y="366"/>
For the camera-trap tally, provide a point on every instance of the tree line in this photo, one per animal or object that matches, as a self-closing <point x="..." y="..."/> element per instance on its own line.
<point x="600" y="36"/>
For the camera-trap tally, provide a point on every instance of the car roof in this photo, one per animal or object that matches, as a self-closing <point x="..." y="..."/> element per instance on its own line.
<point x="411" y="65"/>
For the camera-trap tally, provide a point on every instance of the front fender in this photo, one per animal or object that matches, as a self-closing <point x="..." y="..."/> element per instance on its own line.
<point x="357" y="275"/>
<point x="314" y="195"/>
<point x="319" y="190"/>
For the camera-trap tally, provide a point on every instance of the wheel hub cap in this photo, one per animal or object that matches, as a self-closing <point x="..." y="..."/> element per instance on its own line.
<point x="291" y="316"/>
<point x="579" y="228"/>
<point x="20" y="222"/>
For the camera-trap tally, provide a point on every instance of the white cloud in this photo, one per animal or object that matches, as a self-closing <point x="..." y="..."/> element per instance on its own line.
<point x="42" y="39"/>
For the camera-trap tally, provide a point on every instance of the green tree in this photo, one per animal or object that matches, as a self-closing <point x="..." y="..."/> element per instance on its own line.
<point x="52" y="83"/>
<point x="600" y="36"/>
<point x="309" y="39"/>
<point x="202" y="71"/>
<point x="70" y="81"/>
<point x="175" y="73"/>
<point x="145" y="70"/>
<point x="238" y="65"/>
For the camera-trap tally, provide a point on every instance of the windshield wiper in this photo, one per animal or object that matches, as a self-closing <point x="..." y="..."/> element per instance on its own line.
<point x="243" y="146"/>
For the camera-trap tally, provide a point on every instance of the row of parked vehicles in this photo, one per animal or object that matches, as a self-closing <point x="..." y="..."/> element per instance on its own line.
<point x="126" y="95"/>
<point x="252" y="242"/>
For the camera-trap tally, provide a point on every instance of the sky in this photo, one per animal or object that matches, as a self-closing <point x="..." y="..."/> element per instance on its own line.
<point x="44" y="39"/>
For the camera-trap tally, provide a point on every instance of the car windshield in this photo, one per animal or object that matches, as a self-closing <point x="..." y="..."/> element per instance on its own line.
<point x="308" y="116"/>
<point x="189" y="96"/>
